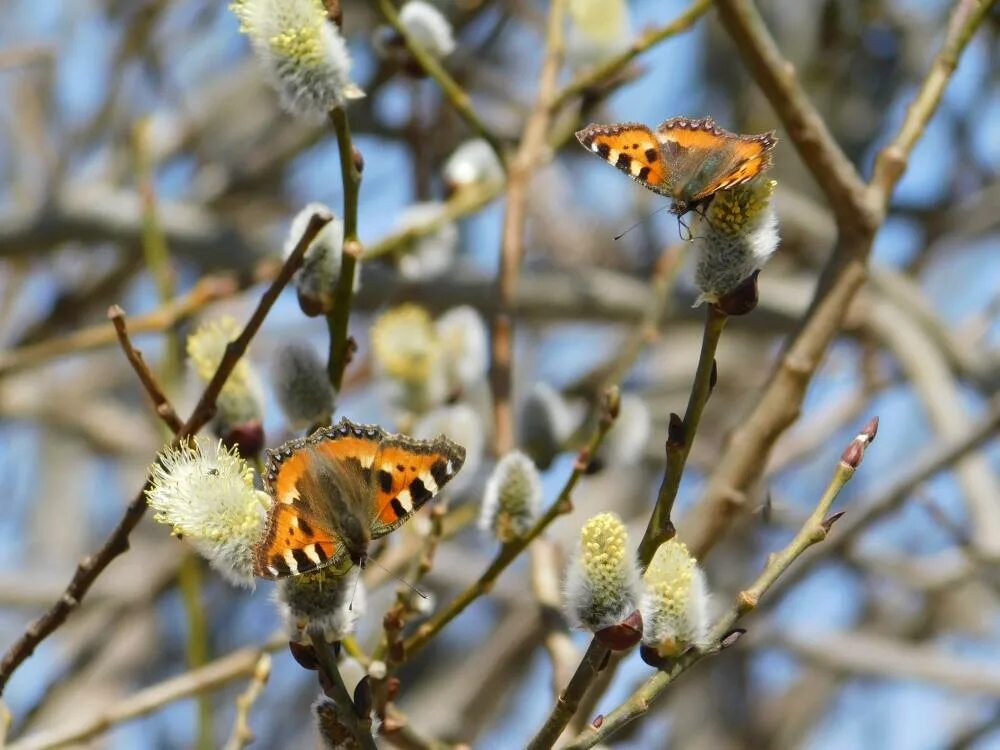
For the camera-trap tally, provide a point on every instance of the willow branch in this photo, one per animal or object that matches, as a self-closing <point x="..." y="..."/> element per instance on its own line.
<point x="680" y="437"/>
<point x="205" y="292"/>
<point x="509" y="552"/>
<point x="455" y="94"/>
<point x="966" y="16"/>
<point x="338" y="319"/>
<point x="597" y="77"/>
<point x="117" y="543"/>
<point x="216" y="673"/>
<point x="161" y="404"/>
<point x="830" y="167"/>
<point x="814" y="530"/>
<point x="521" y="169"/>
<point x="333" y="686"/>
<point x="242" y="735"/>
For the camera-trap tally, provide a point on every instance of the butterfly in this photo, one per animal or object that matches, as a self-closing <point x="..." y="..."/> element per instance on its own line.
<point x="343" y="486"/>
<point x="686" y="160"/>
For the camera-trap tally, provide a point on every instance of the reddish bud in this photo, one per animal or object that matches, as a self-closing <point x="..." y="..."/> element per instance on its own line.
<point x="248" y="437"/>
<point x="675" y="431"/>
<point x="829" y="521"/>
<point x="359" y="160"/>
<point x="652" y="657"/>
<point x="871" y="429"/>
<point x="392" y="686"/>
<point x="598" y="721"/>
<point x="303" y="653"/>
<point x="624" y="635"/>
<point x="742" y="299"/>
<point x="730" y="638"/>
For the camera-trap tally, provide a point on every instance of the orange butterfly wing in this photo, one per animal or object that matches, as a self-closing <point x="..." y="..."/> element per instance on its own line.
<point x="633" y="148"/>
<point x="711" y="158"/>
<point x="294" y="544"/>
<point x="407" y="474"/>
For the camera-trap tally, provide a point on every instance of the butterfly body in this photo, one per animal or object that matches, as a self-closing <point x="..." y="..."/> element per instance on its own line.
<point x="343" y="486"/>
<point x="684" y="159"/>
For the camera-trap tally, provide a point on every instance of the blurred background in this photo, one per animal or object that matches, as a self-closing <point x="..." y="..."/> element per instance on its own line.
<point x="890" y="639"/>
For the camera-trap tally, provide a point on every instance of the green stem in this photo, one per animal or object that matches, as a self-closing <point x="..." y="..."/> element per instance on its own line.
<point x="455" y="94"/>
<point x="336" y="689"/>
<point x="813" y="531"/>
<point x="681" y="437"/>
<point x="569" y="700"/>
<point x="511" y="550"/>
<point x="339" y="317"/>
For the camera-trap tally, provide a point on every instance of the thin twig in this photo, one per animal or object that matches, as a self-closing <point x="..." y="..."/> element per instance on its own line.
<point x="205" y="292"/>
<point x="597" y="77"/>
<point x="508" y="552"/>
<point x="522" y="168"/>
<point x="680" y="437"/>
<point x="780" y="403"/>
<point x="242" y="735"/>
<point x="339" y="317"/>
<point x="117" y="542"/>
<point x="569" y="700"/>
<point x="814" y="530"/>
<point x="161" y="404"/>
<point x="966" y="16"/>
<point x="455" y="94"/>
<point x="219" y="672"/>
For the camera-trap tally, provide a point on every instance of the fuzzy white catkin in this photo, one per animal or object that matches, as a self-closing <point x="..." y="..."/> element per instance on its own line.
<point x="546" y="422"/>
<point x="301" y="385"/>
<point x="428" y="27"/>
<point x="513" y="498"/>
<point x="738" y="236"/>
<point x="205" y="492"/>
<point x="432" y="254"/>
<point x="301" y="51"/>
<point x="322" y="603"/>
<point x="465" y="342"/>
<point x="473" y="162"/>
<point x="320" y="271"/>
<point x="675" y="604"/>
<point x="241" y="400"/>
<point x="602" y="585"/>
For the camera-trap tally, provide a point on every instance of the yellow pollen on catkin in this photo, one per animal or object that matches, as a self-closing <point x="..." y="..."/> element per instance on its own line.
<point x="668" y="577"/>
<point x="733" y="211"/>
<point x="405" y="344"/>
<point x="603" y="549"/>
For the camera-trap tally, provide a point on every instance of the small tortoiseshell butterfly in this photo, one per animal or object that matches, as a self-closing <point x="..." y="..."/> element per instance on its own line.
<point x="341" y="487"/>
<point x="686" y="160"/>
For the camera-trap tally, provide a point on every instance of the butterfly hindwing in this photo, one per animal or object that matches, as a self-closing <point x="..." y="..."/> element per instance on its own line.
<point x="631" y="147"/>
<point x="294" y="544"/>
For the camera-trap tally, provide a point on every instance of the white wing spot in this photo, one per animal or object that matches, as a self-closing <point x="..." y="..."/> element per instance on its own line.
<point x="290" y="561"/>
<point x="311" y="553"/>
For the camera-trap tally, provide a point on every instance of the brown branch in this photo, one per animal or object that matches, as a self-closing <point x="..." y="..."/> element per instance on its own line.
<point x="680" y="437"/>
<point x="966" y="16"/>
<point x="857" y="219"/>
<point x="205" y="292"/>
<point x="521" y="169"/>
<point x="117" y="542"/>
<point x="214" y="674"/>
<point x="830" y="167"/>
<point x="815" y="530"/>
<point x="161" y="403"/>
<point x="509" y="552"/>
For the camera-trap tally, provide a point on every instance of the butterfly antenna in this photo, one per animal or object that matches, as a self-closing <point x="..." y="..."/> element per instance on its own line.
<point x="357" y="580"/>
<point x="402" y="580"/>
<point x="654" y="213"/>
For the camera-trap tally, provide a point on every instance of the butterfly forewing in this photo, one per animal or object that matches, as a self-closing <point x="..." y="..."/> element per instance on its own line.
<point x="632" y="148"/>
<point x="407" y="474"/>
<point x="708" y="158"/>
